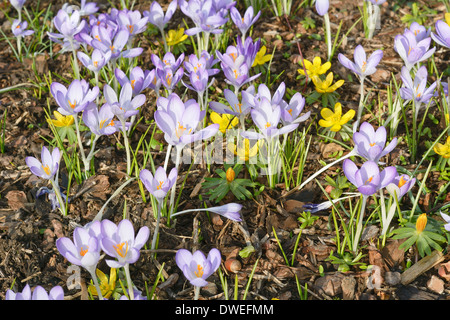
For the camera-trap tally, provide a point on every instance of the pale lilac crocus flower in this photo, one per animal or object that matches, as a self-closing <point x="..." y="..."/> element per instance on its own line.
<point x="18" y="28"/>
<point x="362" y="66"/>
<point x="322" y="7"/>
<point x="67" y="25"/>
<point x="84" y="250"/>
<point x="156" y="14"/>
<point x="17" y="4"/>
<point x="204" y="16"/>
<point x="442" y="35"/>
<point x="243" y="23"/>
<point x="377" y="2"/>
<point x="371" y="144"/>
<point x="196" y="267"/>
<point x="125" y="105"/>
<point x="368" y="179"/>
<point x="75" y="98"/>
<point x="169" y="78"/>
<point x="100" y="122"/>
<point x="420" y="32"/>
<point x="48" y="166"/>
<point x="39" y="293"/>
<point x="96" y="61"/>
<point x="411" y="50"/>
<point x="179" y="123"/>
<point x="159" y="184"/>
<point x="119" y="241"/>
<point x="267" y="119"/>
<point x="446" y="218"/>
<point x="290" y="112"/>
<point x="139" y="79"/>
<point x="168" y="60"/>
<point x="234" y="107"/>
<point x="132" y="21"/>
<point x="230" y="211"/>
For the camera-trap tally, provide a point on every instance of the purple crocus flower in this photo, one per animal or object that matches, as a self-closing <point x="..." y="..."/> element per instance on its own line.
<point x="411" y="50"/>
<point x="139" y="79"/>
<point x="18" y="4"/>
<point x="416" y="90"/>
<point x="97" y="60"/>
<point x="368" y="179"/>
<point x="169" y="78"/>
<point x="156" y="14"/>
<point x="119" y="242"/>
<point x="84" y="250"/>
<point x="19" y="29"/>
<point x="125" y="106"/>
<point x="234" y="107"/>
<point x="196" y="267"/>
<point x="100" y="122"/>
<point x="39" y="293"/>
<point x="159" y="184"/>
<point x="204" y="16"/>
<point x="132" y="21"/>
<point x="137" y="295"/>
<point x="244" y="23"/>
<point x="179" y="122"/>
<point x="442" y="35"/>
<point x="371" y="144"/>
<point x="75" y="98"/>
<point x="290" y="112"/>
<point x="420" y="32"/>
<point x="205" y="62"/>
<point x="199" y="81"/>
<point x="168" y="61"/>
<point x="67" y="25"/>
<point x="229" y="210"/>
<point x="87" y="8"/>
<point x="267" y="119"/>
<point x="377" y="2"/>
<point x="238" y="76"/>
<point x="48" y="166"/>
<point x="446" y="218"/>
<point x="362" y="66"/>
<point x="264" y="92"/>
<point x="115" y="43"/>
<point x="322" y="7"/>
<point x="400" y="185"/>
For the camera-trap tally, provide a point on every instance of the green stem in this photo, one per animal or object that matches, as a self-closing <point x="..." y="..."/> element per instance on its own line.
<point x="62" y="205"/>
<point x="97" y="286"/>
<point x="172" y="191"/>
<point x="127" y="145"/>
<point x="155" y="233"/>
<point x="328" y="34"/>
<point x="126" y="267"/>
<point x="80" y="144"/>
<point x="359" y="227"/>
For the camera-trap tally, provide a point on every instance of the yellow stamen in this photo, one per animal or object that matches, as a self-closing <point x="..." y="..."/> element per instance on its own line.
<point x="102" y="123"/>
<point x="98" y="38"/>
<point x="363" y="68"/>
<point x="72" y="105"/>
<point x="95" y="64"/>
<point x="199" y="272"/>
<point x="368" y="180"/>
<point x="120" y="250"/>
<point x="234" y="56"/>
<point x="169" y="79"/>
<point x="180" y="130"/>
<point x="402" y="182"/>
<point x="158" y="187"/>
<point x="290" y="111"/>
<point x="83" y="252"/>
<point x="46" y="169"/>
<point x="268" y="124"/>
<point x="372" y="144"/>
<point x="130" y="28"/>
<point x="132" y="83"/>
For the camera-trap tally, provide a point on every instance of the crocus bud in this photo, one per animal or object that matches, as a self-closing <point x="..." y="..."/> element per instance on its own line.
<point x="230" y="175"/>
<point x="421" y="222"/>
<point x="322" y="7"/>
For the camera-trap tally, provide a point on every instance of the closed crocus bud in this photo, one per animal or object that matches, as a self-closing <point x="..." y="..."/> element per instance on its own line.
<point x="322" y="7"/>
<point x="230" y="175"/>
<point x="421" y="222"/>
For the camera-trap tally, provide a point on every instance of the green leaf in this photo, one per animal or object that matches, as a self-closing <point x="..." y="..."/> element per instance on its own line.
<point x="246" y="252"/>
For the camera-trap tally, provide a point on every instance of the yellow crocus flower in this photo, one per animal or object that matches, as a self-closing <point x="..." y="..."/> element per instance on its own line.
<point x="230" y="175"/>
<point x="447" y="18"/>
<point x="243" y="150"/>
<point x="335" y="120"/>
<point x="316" y="68"/>
<point x="61" y="121"/>
<point x="421" y="222"/>
<point x="107" y="286"/>
<point x="225" y="121"/>
<point x="443" y="149"/>
<point x="175" y="36"/>
<point x="326" y="86"/>
<point x="261" y="57"/>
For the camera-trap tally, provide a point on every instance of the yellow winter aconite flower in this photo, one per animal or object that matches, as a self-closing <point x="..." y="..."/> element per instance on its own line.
<point x="261" y="57"/>
<point x="327" y="86"/>
<point x="243" y="149"/>
<point x="316" y="68"/>
<point x="175" y="36"/>
<point x="225" y="121"/>
<point x="335" y="120"/>
<point x="443" y="149"/>
<point x="230" y="175"/>
<point x="107" y="286"/>
<point x="61" y="121"/>
<point x="421" y="222"/>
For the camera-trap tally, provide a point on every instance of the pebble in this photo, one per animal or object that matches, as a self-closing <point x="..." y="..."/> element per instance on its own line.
<point x="436" y="285"/>
<point x="392" y="278"/>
